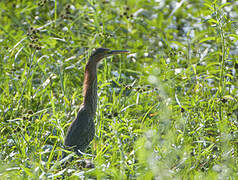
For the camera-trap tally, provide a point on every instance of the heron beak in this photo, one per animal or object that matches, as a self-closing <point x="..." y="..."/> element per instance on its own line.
<point x="118" y="52"/>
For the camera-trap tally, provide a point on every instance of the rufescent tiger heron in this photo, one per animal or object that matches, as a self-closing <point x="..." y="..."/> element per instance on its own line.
<point x="81" y="131"/>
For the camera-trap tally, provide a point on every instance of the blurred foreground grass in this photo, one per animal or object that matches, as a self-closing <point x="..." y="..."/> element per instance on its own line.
<point x="168" y="110"/>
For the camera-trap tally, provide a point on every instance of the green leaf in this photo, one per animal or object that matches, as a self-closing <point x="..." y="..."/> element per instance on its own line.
<point x="209" y="6"/>
<point x="234" y="36"/>
<point x="230" y="97"/>
<point x="213" y="21"/>
<point x="223" y="5"/>
<point x="207" y="39"/>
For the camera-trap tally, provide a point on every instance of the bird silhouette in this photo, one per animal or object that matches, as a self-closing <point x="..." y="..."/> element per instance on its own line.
<point x="82" y="130"/>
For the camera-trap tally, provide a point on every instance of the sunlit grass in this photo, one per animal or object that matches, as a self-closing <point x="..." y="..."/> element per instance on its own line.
<point x="168" y="110"/>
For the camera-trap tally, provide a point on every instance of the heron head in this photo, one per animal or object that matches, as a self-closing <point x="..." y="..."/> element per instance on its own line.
<point x="101" y="53"/>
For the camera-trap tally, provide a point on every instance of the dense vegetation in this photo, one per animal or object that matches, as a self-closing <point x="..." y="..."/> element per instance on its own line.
<point x="168" y="110"/>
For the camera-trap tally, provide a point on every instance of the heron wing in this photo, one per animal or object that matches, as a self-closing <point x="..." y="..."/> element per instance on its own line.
<point x="81" y="131"/>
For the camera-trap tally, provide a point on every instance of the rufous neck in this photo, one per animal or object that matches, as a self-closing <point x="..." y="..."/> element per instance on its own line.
<point x="90" y="87"/>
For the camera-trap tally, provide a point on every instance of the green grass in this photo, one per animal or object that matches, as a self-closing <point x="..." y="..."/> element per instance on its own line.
<point x="168" y="110"/>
